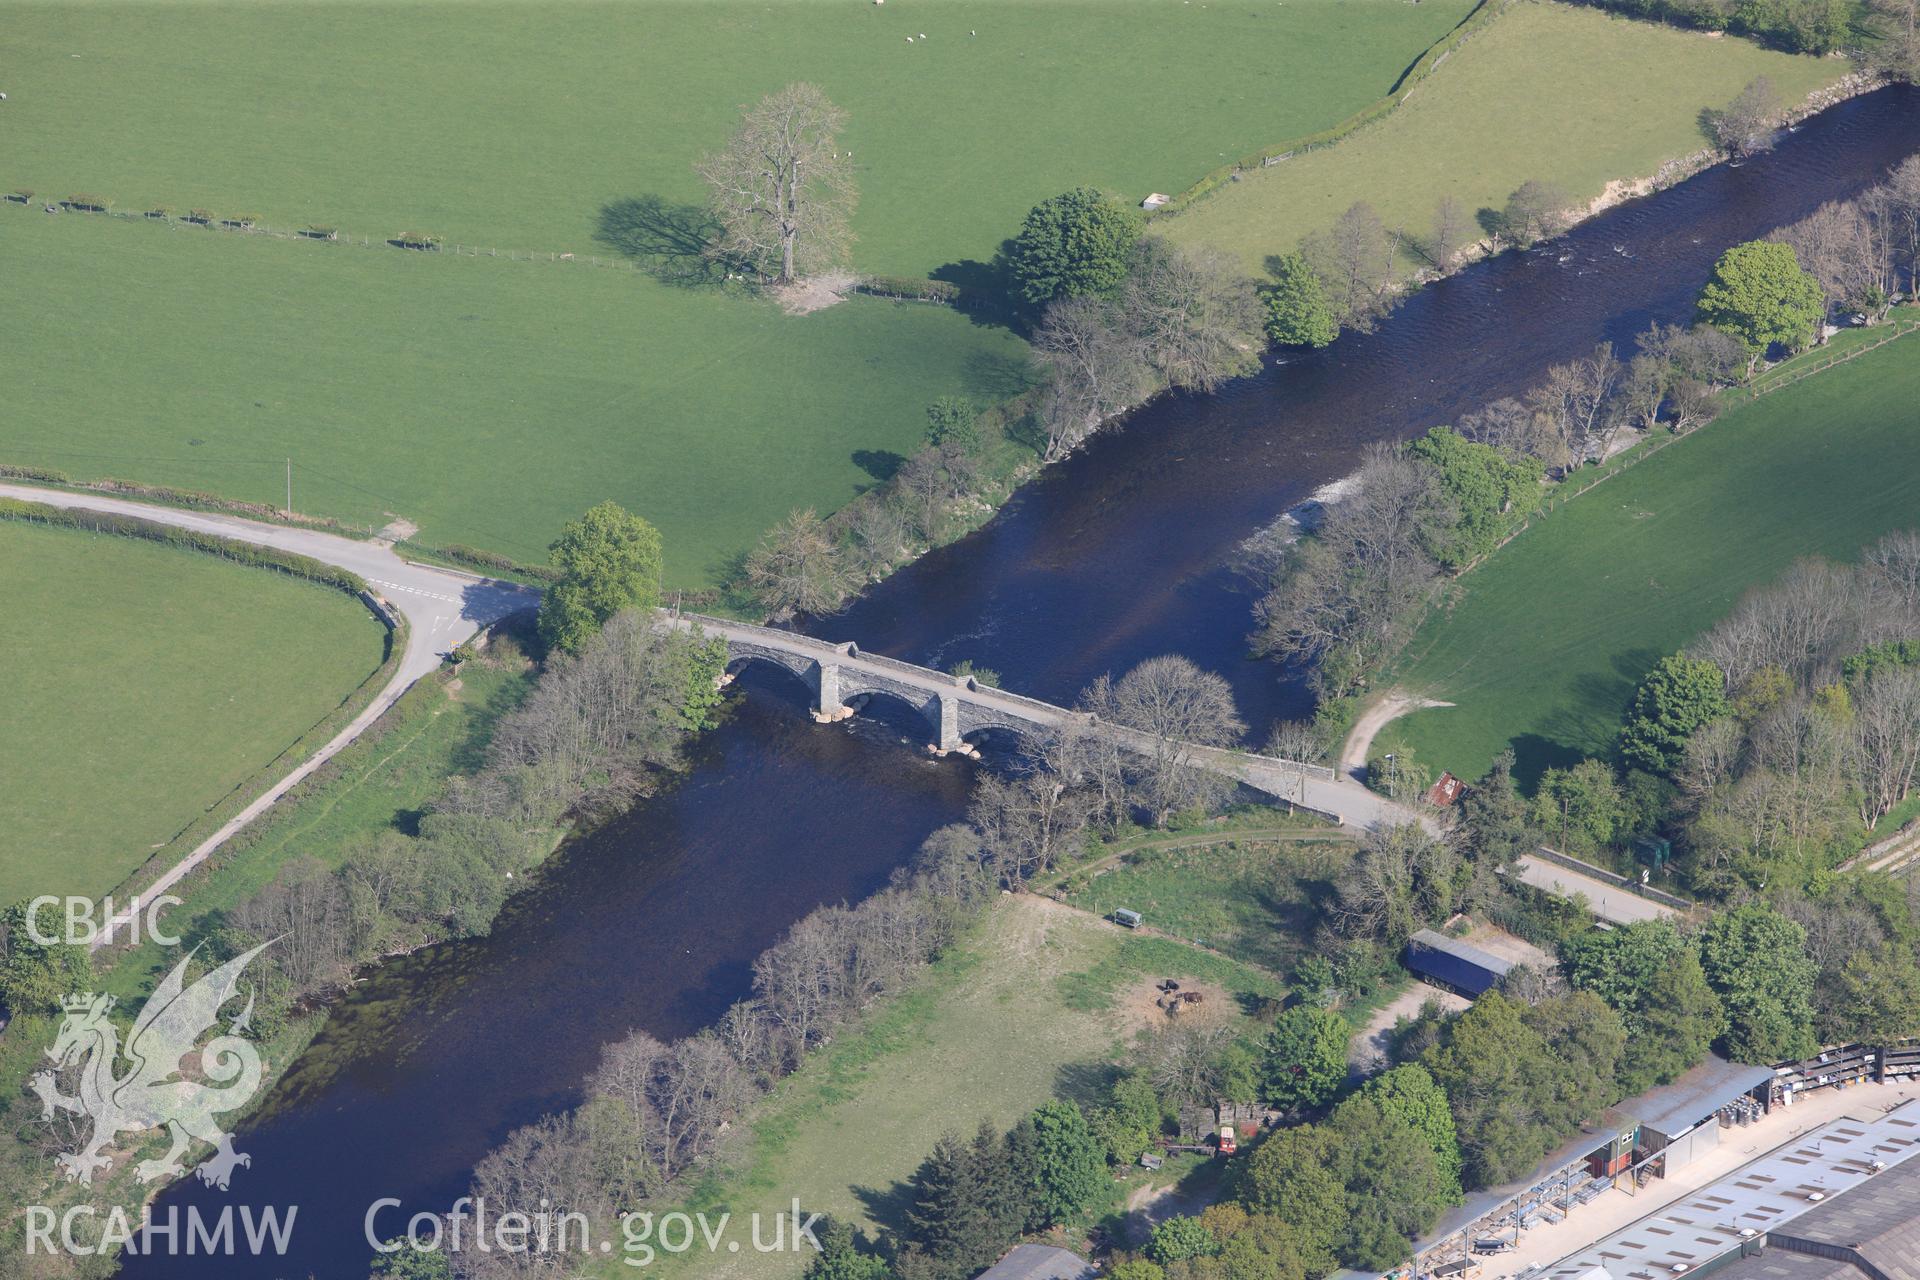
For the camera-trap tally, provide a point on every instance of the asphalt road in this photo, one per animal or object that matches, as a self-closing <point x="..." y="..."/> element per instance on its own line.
<point x="442" y="607"/>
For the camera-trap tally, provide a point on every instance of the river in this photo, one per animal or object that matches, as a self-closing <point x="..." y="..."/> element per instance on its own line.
<point x="1120" y="553"/>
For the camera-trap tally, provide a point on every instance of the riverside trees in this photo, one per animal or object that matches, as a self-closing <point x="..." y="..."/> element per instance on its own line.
<point x="609" y="560"/>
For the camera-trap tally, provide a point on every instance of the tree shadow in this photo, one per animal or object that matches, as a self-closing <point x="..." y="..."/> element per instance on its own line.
<point x="986" y="291"/>
<point x="1084" y="1082"/>
<point x="991" y="377"/>
<point x="671" y="241"/>
<point x="1534" y="754"/>
<point x="881" y="464"/>
<point x="1491" y="220"/>
<point x="886" y="1206"/>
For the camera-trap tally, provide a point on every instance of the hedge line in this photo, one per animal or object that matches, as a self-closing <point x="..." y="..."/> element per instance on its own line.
<point x="109" y="522"/>
<point x="460" y="553"/>
<point x="910" y="288"/>
<point x="1483" y="13"/>
<point x="166" y="495"/>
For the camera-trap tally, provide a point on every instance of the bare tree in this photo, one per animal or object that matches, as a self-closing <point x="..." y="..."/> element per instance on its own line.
<point x="798" y="567"/>
<point x="1302" y="744"/>
<point x="783" y="189"/>
<point x="1400" y="878"/>
<point x="1354" y="260"/>
<point x="1194" y="314"/>
<point x="544" y="1172"/>
<point x="1449" y="234"/>
<point x="1515" y="430"/>
<point x="878" y="533"/>
<point x="1353" y="590"/>
<point x="1897" y="50"/>
<point x="1890" y="584"/>
<point x="1182" y="1062"/>
<point x="1886" y="740"/>
<point x="1849" y="253"/>
<point x="1096" y="369"/>
<point x="1745" y="126"/>
<point x="1174" y="706"/>
<point x="1580" y="399"/>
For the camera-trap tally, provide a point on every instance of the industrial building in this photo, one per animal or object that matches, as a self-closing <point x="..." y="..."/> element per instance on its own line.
<point x="1454" y="965"/>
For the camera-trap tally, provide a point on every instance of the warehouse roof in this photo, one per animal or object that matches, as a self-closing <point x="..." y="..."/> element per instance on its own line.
<point x="1038" y="1262"/>
<point x="1454" y="963"/>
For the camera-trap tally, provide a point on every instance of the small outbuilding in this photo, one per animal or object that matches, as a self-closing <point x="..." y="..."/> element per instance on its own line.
<point x="1453" y="964"/>
<point x="1039" y="1262"/>
<point x="1155" y="200"/>
<point x="1684" y="1120"/>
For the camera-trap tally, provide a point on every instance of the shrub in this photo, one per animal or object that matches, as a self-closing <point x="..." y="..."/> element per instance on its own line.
<point x="88" y="203"/>
<point x="202" y="216"/>
<point x="160" y="211"/>
<point x="418" y="240"/>
<point x="910" y="288"/>
<point x="20" y="195"/>
<point x="46" y="475"/>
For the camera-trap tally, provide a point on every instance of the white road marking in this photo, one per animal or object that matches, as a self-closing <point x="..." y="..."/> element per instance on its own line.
<point x="431" y="595"/>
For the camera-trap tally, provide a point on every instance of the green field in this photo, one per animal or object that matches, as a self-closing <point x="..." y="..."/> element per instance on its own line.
<point x="143" y="685"/>
<point x="1026" y="1011"/>
<point x="514" y="124"/>
<point x="488" y="401"/>
<point x="1566" y="95"/>
<point x="1545" y="642"/>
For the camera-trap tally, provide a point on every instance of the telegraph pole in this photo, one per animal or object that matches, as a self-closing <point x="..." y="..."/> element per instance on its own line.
<point x="289" y="507"/>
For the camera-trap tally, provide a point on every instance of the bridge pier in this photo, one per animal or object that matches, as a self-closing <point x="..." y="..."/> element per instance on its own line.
<point x="945" y="715"/>
<point x="827" y="706"/>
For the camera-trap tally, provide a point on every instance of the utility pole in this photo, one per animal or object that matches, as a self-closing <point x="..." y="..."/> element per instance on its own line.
<point x="289" y="507"/>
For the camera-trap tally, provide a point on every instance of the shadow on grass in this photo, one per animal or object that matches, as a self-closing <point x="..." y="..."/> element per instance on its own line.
<point x="881" y="464"/>
<point x="1534" y="754"/>
<point x="671" y="241"/>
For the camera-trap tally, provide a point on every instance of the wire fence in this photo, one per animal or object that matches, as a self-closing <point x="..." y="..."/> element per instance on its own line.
<point x="407" y="242"/>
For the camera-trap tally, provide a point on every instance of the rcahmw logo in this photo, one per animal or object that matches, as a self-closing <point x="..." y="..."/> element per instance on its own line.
<point x="150" y="1093"/>
<point x="262" y="1231"/>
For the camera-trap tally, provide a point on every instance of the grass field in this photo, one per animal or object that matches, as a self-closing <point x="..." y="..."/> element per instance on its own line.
<point x="143" y="684"/>
<point x="490" y="401"/>
<point x="487" y="401"/>
<point x="514" y="124"/>
<point x="1566" y="95"/>
<point x="1250" y="897"/>
<point x="1025" y="1012"/>
<point x="1547" y="640"/>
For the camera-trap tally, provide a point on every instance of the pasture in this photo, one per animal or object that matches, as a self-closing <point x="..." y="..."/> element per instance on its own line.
<point x="1543" y="645"/>
<point x="514" y="125"/>
<point x="144" y="684"/>
<point x="489" y="401"/>
<point x="1566" y="95"/>
<point x="1029" y="1009"/>
<point x="486" y="401"/>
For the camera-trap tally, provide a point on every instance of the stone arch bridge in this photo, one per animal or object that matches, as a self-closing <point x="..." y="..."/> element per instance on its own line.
<point x="956" y="707"/>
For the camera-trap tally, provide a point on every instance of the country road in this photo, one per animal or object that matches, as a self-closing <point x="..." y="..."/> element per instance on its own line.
<point x="442" y="607"/>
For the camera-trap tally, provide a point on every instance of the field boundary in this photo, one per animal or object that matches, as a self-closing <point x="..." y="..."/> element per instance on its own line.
<point x="1425" y="65"/>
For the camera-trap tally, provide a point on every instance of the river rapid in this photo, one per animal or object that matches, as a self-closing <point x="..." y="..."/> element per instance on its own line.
<point x="1122" y="552"/>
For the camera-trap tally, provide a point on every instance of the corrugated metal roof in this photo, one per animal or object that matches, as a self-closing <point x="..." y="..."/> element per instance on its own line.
<point x="1038" y="1262"/>
<point x="1454" y="963"/>
<point x="1677" y="1107"/>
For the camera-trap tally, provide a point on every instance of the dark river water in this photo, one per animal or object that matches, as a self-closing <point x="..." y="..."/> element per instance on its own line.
<point x="1121" y="553"/>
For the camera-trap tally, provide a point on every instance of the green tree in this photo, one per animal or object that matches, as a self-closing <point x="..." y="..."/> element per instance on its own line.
<point x="1294" y="1175"/>
<point x="1504" y="1083"/>
<point x="1652" y="977"/>
<point x="1488" y="495"/>
<point x="1070" y="1164"/>
<point x="1411" y="1096"/>
<point x="1395" y="1189"/>
<point x="953" y="422"/>
<point x="1678" y="696"/>
<point x="1580" y="807"/>
<point x="706" y="663"/>
<point x="842" y="1254"/>
<point x="608" y="560"/>
<point x="1128" y="1119"/>
<point x="1879" y="997"/>
<point x="1137" y="1269"/>
<point x="36" y="976"/>
<point x="1078" y="243"/>
<point x="1265" y="1247"/>
<point x="1306" y="1056"/>
<point x="1494" y="817"/>
<point x="1756" y="959"/>
<point x="950" y="1227"/>
<point x="1759" y="294"/>
<point x="1298" y="313"/>
<point x="1178" y="1239"/>
<point x="409" y="1263"/>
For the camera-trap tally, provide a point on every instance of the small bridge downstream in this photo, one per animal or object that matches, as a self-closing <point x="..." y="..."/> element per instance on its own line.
<point x="957" y="707"/>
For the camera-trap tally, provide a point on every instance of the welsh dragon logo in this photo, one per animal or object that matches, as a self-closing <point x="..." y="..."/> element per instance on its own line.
<point x="152" y="1092"/>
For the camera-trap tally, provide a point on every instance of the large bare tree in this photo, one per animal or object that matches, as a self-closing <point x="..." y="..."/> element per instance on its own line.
<point x="783" y="187"/>
<point x="1176" y="706"/>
